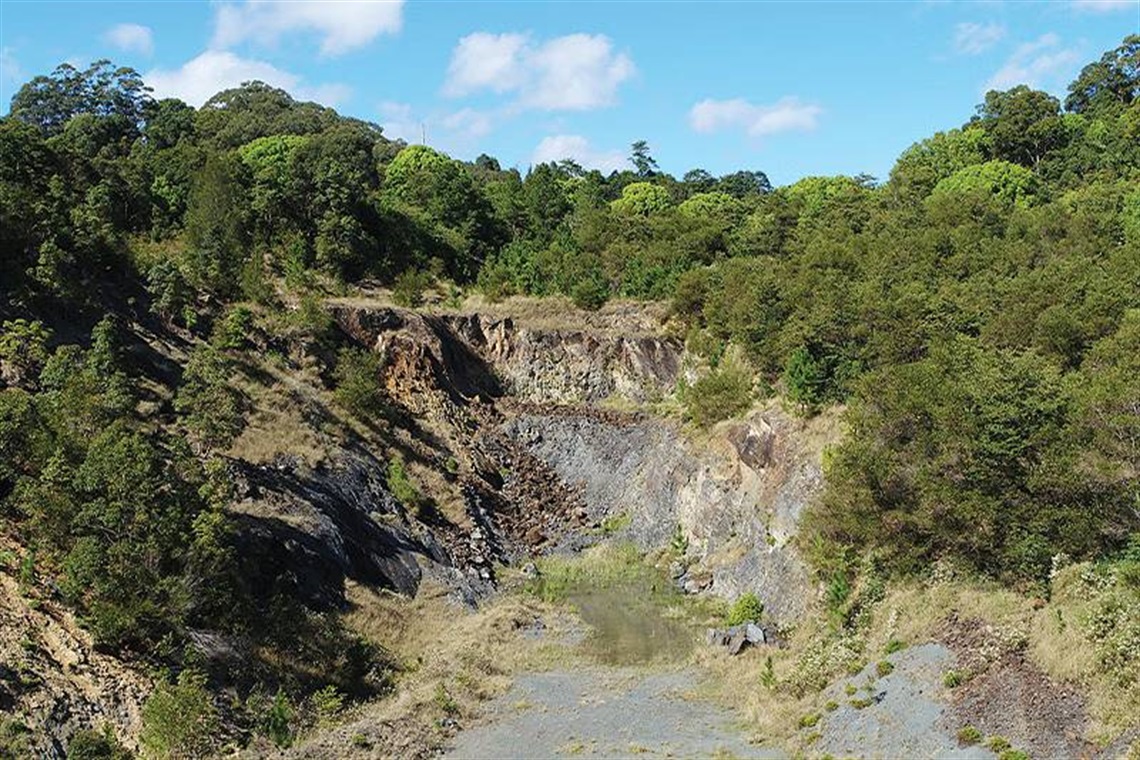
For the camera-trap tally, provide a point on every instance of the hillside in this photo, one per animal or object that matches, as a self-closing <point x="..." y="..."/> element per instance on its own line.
<point x="316" y="442"/>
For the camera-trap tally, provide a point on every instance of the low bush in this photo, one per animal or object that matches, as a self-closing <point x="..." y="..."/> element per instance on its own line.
<point x="747" y="609"/>
<point x="719" y="395"/>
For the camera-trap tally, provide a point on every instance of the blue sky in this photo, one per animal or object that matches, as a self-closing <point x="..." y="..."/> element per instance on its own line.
<point x="793" y="89"/>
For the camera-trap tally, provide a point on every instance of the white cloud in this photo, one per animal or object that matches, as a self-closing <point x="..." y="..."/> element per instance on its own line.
<point x="398" y="122"/>
<point x="971" y="38"/>
<point x="1106" y="6"/>
<point x="785" y="115"/>
<point x="200" y="78"/>
<point x="1035" y="63"/>
<point x="486" y="61"/>
<point x="450" y="131"/>
<point x="131" y="38"/>
<point x="343" y="25"/>
<point x="10" y="71"/>
<point x="558" y="147"/>
<point x="573" y="73"/>
<point x="469" y="123"/>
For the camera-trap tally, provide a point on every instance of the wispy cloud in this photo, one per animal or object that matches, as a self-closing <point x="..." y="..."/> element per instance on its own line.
<point x="342" y="25"/>
<point x="971" y="38"/>
<point x="576" y="72"/>
<point x="558" y="147"/>
<point x="131" y="38"/>
<point x="451" y="131"/>
<point x="1105" y="6"/>
<point x="1039" y="63"/>
<point x="200" y="78"/>
<point x="10" y="70"/>
<point x="785" y="115"/>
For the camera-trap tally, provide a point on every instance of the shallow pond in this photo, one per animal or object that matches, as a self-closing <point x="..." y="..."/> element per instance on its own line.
<point x="629" y="627"/>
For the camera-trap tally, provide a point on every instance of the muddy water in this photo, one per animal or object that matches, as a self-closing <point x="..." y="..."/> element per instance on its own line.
<point x="629" y="627"/>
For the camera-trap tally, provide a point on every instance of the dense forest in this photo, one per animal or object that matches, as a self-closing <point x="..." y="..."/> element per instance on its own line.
<point x="978" y="311"/>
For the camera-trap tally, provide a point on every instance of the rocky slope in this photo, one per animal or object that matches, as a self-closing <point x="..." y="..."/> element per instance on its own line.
<point x="527" y="400"/>
<point x="51" y="675"/>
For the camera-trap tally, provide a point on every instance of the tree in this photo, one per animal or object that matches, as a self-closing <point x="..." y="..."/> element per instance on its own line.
<point x="211" y="407"/>
<point x="644" y="163"/>
<point x="698" y="181"/>
<point x="718" y="208"/>
<point x="180" y="719"/>
<point x="926" y="163"/>
<point x="23" y="350"/>
<point x="642" y="199"/>
<point x="1110" y="84"/>
<point x="216" y="226"/>
<point x="743" y="184"/>
<point x="1023" y="124"/>
<point x="805" y="380"/>
<point x="50" y="102"/>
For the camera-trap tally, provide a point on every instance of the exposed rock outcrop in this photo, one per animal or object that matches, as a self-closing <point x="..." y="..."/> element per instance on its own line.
<point x="736" y="511"/>
<point x="521" y="403"/>
<point x="52" y="676"/>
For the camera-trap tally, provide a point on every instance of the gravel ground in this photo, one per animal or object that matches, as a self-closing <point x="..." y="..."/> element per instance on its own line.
<point x="906" y="716"/>
<point x="604" y="712"/>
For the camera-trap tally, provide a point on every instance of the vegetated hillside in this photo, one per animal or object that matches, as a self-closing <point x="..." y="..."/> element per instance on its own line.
<point x="978" y="312"/>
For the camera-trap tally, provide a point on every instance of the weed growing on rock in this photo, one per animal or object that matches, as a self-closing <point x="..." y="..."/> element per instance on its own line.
<point x="894" y="645"/>
<point x="831" y="705"/>
<point x="884" y="668"/>
<point x="445" y="702"/>
<point x="969" y="735"/>
<point x="810" y="720"/>
<point x="1013" y="754"/>
<point x="861" y="703"/>
<point x="952" y="679"/>
<point x="998" y="743"/>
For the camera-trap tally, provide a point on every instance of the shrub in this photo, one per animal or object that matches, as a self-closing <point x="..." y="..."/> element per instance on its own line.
<point x="768" y="675"/>
<point x="884" y="668"/>
<point x="356" y="382"/>
<point x="444" y="701"/>
<point x="96" y="745"/>
<point x="233" y="330"/>
<point x="810" y="720"/>
<point x="719" y="395"/>
<point x="179" y="719"/>
<point x="747" y="608"/>
<point x="278" y="719"/>
<point x="831" y="705"/>
<point x="327" y="704"/>
<point x="408" y="289"/>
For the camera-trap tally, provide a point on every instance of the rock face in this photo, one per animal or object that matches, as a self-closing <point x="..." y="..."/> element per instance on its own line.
<point x="51" y="675"/>
<point x="572" y="366"/>
<point x="735" y="510"/>
<point x="522" y="401"/>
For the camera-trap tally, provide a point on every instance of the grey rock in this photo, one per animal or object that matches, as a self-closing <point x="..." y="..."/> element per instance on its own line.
<point x="737" y="643"/>
<point x="755" y="634"/>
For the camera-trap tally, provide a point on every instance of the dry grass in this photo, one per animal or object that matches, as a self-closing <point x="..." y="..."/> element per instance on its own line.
<point x="470" y="655"/>
<point x="276" y="425"/>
